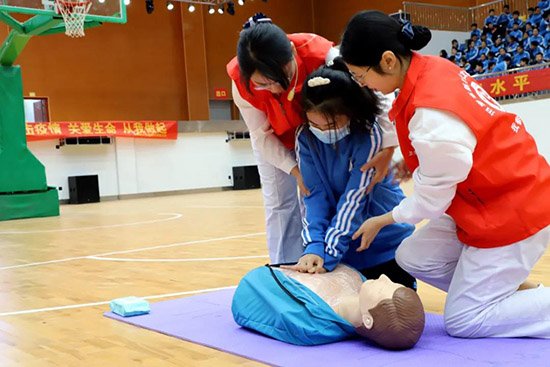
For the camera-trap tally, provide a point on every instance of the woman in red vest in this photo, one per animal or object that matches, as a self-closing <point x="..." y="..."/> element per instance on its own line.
<point x="267" y="75"/>
<point x="477" y="176"/>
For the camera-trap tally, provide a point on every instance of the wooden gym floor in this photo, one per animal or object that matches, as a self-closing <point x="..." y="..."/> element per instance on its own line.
<point x="58" y="274"/>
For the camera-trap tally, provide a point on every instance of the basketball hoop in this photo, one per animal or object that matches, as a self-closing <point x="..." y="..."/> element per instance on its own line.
<point x="74" y="13"/>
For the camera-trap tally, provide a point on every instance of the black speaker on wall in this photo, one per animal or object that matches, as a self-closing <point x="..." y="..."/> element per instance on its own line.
<point x="246" y="177"/>
<point x="83" y="189"/>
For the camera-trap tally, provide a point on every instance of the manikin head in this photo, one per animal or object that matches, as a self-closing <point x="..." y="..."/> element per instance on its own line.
<point x="393" y="315"/>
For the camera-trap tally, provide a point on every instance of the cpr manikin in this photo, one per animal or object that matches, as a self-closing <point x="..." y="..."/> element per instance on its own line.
<point x="313" y="309"/>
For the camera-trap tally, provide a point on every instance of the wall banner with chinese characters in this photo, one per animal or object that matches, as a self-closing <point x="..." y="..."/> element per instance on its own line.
<point x="521" y="82"/>
<point x="127" y="129"/>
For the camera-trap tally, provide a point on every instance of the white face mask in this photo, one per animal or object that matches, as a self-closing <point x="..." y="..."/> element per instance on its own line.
<point x="330" y="136"/>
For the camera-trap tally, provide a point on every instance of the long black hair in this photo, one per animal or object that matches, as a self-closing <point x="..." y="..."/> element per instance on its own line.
<point x="370" y="33"/>
<point x="341" y="96"/>
<point x="265" y="48"/>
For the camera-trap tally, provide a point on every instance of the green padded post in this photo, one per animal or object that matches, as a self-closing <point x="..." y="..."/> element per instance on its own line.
<point x="23" y="189"/>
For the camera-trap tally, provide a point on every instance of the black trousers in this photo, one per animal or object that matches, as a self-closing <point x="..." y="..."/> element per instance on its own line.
<point x="392" y="271"/>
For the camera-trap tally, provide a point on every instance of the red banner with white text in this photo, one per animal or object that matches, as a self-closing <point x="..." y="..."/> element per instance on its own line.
<point x="126" y="129"/>
<point x="521" y="82"/>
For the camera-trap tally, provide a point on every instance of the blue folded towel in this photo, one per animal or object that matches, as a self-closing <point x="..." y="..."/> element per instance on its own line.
<point x="130" y="306"/>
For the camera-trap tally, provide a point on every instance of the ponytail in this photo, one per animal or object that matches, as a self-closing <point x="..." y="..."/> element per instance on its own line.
<point x="370" y="33"/>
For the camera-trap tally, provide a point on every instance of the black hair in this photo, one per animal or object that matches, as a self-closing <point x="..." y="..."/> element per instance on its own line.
<point x="264" y="48"/>
<point x="490" y="53"/>
<point x="515" y="12"/>
<point x="506" y="6"/>
<point x="507" y="58"/>
<point x="341" y="96"/>
<point x="370" y="33"/>
<point x="525" y="60"/>
<point x="443" y="53"/>
<point x="491" y="10"/>
<point x="531" y="9"/>
<point x="452" y="58"/>
<point x="535" y="43"/>
<point x="473" y="25"/>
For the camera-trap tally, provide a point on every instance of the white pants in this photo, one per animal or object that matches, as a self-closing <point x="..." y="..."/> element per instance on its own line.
<point x="481" y="284"/>
<point x="282" y="213"/>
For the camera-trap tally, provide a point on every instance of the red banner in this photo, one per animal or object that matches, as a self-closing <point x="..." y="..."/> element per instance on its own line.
<point x="127" y="129"/>
<point x="521" y="82"/>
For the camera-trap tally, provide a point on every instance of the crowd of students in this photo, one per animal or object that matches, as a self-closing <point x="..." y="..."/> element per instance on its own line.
<point x="506" y="41"/>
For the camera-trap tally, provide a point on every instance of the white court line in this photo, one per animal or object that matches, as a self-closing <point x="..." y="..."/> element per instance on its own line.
<point x="176" y="260"/>
<point x="223" y="207"/>
<point x="173" y="216"/>
<point x="130" y="251"/>
<point x="57" y="308"/>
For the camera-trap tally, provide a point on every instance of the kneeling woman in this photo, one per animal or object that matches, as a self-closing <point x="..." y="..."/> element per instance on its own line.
<point x="340" y="136"/>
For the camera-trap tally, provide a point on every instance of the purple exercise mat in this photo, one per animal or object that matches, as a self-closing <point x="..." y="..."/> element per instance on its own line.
<point x="206" y="319"/>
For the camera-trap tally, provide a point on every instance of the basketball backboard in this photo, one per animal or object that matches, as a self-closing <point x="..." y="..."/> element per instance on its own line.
<point x="110" y="11"/>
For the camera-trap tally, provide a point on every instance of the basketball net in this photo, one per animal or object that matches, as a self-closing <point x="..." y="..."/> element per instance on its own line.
<point x="74" y="13"/>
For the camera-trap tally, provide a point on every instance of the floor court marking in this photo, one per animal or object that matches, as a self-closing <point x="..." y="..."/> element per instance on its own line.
<point x="131" y="251"/>
<point x="120" y="259"/>
<point x="82" y="305"/>
<point x="173" y="217"/>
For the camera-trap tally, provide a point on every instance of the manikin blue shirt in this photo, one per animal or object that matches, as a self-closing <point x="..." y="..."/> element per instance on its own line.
<point x="337" y="204"/>
<point x="279" y="306"/>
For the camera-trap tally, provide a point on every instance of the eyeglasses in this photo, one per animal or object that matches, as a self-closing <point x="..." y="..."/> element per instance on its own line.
<point x="264" y="86"/>
<point x="359" y="78"/>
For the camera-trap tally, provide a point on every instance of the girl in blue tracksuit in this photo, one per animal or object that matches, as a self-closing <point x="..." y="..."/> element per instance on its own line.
<point x="340" y="136"/>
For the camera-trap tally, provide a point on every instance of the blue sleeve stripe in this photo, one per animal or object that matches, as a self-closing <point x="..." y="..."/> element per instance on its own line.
<point x="353" y="200"/>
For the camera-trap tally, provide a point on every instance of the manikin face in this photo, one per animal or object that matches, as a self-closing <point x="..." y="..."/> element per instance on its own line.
<point x="319" y="121"/>
<point x="372" y="292"/>
<point x="261" y="82"/>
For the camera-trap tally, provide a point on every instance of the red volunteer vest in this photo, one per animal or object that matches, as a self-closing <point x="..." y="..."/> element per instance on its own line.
<point x="506" y="196"/>
<point x="283" y="115"/>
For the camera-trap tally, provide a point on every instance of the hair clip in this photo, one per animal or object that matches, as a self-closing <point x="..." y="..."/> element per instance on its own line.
<point x="407" y="29"/>
<point x="256" y="19"/>
<point x="317" y="81"/>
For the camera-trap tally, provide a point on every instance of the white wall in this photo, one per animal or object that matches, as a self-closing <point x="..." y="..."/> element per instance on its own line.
<point x="441" y="40"/>
<point x="535" y="116"/>
<point x="194" y="160"/>
<point x="138" y="166"/>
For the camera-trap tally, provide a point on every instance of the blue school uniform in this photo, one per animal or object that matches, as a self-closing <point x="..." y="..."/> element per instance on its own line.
<point x="472" y="54"/>
<point x="500" y="66"/>
<point x="491" y="19"/>
<point x="337" y="204"/>
<point x="518" y="56"/>
<point x="517" y="34"/>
